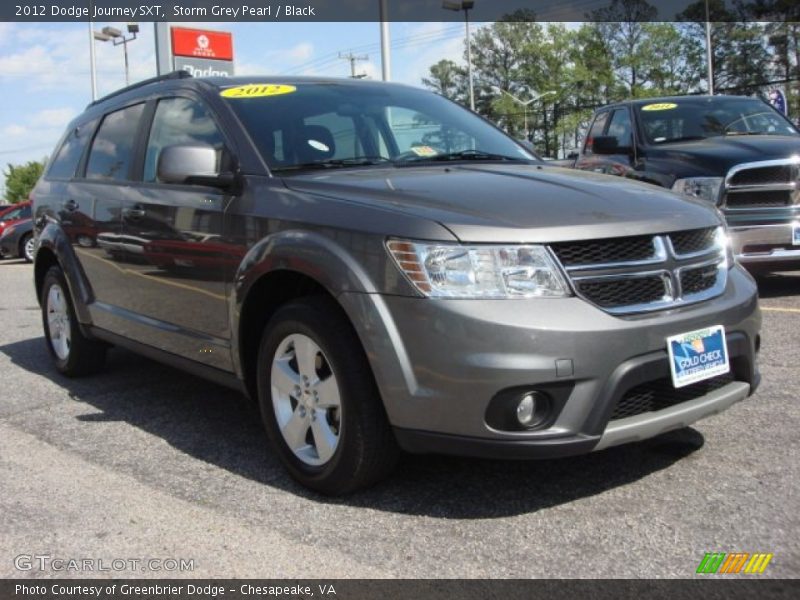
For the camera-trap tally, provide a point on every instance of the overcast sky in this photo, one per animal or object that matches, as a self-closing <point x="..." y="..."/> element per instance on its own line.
<point x="45" y="81"/>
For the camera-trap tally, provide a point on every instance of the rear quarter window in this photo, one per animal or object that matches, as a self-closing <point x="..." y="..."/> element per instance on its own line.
<point x="68" y="155"/>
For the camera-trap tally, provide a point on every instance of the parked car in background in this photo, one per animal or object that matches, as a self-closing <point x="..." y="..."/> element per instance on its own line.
<point x="17" y="241"/>
<point x="736" y="153"/>
<point x="13" y="214"/>
<point x="379" y="269"/>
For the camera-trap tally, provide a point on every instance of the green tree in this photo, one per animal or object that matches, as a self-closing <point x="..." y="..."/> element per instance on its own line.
<point x="448" y="79"/>
<point x="623" y="27"/>
<point x="739" y="54"/>
<point x="20" y="180"/>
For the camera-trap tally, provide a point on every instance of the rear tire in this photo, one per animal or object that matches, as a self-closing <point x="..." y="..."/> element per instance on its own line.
<point x="73" y="353"/>
<point x="26" y="247"/>
<point x="319" y="402"/>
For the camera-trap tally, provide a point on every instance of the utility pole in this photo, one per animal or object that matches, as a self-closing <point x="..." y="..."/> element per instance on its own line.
<point x="353" y="59"/>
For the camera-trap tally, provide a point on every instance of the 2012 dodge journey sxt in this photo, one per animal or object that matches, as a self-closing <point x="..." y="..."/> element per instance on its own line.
<point x="381" y="269"/>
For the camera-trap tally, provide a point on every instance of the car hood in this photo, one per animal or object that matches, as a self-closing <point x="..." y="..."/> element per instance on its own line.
<point x="513" y="203"/>
<point x="715" y="156"/>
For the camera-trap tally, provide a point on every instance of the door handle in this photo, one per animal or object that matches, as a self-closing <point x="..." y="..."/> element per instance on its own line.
<point x="71" y="205"/>
<point x="136" y="212"/>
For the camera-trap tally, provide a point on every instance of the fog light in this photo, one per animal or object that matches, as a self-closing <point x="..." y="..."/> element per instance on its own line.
<point x="526" y="410"/>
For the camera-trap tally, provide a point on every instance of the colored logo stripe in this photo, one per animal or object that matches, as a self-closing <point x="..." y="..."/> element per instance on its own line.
<point x="720" y="562"/>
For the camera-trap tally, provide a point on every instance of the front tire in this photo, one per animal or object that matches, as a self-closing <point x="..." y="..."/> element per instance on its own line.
<point x="319" y="402"/>
<point x="73" y="353"/>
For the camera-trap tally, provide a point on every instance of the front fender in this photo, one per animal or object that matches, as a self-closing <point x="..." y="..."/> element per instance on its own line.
<point x="53" y="238"/>
<point x="309" y="253"/>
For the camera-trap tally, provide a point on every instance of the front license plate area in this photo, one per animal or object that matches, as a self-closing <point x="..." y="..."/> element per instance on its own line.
<point x="698" y="355"/>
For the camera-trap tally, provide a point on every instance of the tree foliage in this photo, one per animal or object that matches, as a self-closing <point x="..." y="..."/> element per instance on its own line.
<point x="20" y="180"/>
<point x="618" y="54"/>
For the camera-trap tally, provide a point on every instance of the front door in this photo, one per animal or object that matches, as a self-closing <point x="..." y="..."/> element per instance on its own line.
<point x="176" y="263"/>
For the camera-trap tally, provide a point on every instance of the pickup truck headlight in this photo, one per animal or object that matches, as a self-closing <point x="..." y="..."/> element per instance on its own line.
<point x="456" y="271"/>
<point x="705" y="188"/>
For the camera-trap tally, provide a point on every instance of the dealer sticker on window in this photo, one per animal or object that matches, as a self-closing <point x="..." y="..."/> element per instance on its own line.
<point x="697" y="355"/>
<point x="796" y="234"/>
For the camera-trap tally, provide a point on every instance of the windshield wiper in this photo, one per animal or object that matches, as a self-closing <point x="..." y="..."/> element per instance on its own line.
<point x="332" y="163"/>
<point x="747" y="133"/>
<point x="685" y="138"/>
<point x="463" y="155"/>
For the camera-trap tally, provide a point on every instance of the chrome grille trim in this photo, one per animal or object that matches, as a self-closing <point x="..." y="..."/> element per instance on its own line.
<point x="791" y="184"/>
<point x="667" y="265"/>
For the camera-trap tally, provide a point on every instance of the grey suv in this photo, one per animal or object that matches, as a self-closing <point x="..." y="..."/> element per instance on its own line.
<point x="381" y="269"/>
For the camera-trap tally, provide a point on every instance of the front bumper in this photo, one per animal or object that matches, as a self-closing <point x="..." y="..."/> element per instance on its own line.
<point x="765" y="244"/>
<point x="439" y="364"/>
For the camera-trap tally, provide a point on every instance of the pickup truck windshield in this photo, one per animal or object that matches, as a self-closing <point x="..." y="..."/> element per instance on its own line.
<point x="686" y="119"/>
<point x="336" y="125"/>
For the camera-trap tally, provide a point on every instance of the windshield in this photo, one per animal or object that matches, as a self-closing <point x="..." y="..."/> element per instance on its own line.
<point x="323" y="125"/>
<point x="699" y="118"/>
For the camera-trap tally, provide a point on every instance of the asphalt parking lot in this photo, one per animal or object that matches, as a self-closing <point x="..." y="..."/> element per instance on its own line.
<point x="144" y="461"/>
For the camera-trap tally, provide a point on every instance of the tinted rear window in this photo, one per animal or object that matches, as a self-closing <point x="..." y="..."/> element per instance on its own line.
<point x="112" y="150"/>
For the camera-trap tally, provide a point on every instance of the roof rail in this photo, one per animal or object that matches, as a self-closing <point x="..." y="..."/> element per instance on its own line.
<point x="167" y="77"/>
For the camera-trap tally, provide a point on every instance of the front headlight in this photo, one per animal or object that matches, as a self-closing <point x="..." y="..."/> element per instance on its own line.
<point x="455" y="271"/>
<point x="705" y="188"/>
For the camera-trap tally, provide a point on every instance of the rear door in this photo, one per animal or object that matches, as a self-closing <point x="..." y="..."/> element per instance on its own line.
<point x="176" y="271"/>
<point x="91" y="208"/>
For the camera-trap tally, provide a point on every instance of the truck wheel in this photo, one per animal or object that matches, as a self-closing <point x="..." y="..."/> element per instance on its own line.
<point x="74" y="354"/>
<point x="26" y="245"/>
<point x="319" y="402"/>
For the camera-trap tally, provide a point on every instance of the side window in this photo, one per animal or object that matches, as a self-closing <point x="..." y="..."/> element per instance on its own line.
<point x="112" y="150"/>
<point x="620" y="127"/>
<point x="596" y="129"/>
<point x="180" y="121"/>
<point x="26" y="213"/>
<point x="69" y="154"/>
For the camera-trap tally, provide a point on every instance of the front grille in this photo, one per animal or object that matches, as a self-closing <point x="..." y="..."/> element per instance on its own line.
<point x="638" y="274"/>
<point x="660" y="394"/>
<point x="594" y="252"/>
<point x="694" y="281"/>
<point x="623" y="292"/>
<point x="696" y="240"/>
<point x="763" y="175"/>
<point x="759" y="199"/>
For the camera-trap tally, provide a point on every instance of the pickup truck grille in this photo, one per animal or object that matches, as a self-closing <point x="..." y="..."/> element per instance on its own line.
<point x="769" y="184"/>
<point x="645" y="273"/>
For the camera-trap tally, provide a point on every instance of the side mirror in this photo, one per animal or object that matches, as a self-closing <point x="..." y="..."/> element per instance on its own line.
<point x="608" y="144"/>
<point x="191" y="164"/>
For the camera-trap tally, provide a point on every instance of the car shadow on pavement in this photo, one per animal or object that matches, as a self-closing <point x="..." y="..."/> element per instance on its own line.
<point x="775" y="285"/>
<point x="213" y="424"/>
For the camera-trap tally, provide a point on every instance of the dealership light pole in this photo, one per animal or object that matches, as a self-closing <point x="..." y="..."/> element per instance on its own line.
<point x="709" y="54"/>
<point x="466" y="6"/>
<point x="114" y="35"/>
<point x="386" y="59"/>
<point x="92" y="62"/>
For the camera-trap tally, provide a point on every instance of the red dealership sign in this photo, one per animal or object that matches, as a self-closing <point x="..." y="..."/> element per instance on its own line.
<point x="200" y="43"/>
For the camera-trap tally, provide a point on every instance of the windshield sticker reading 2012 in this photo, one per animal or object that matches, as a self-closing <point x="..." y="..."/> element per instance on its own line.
<point x="258" y="90"/>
